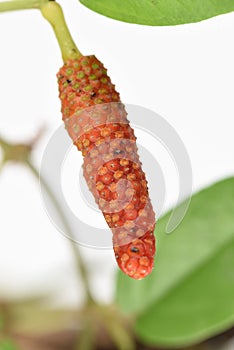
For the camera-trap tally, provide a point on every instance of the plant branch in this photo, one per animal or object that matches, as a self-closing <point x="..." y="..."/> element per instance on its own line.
<point x="21" y="5"/>
<point x="79" y="262"/>
<point x="86" y="337"/>
<point x="117" y="328"/>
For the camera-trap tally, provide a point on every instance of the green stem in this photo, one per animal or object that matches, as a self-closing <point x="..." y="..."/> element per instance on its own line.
<point x="54" y="15"/>
<point x="86" y="338"/>
<point x="21" y="5"/>
<point x="79" y="261"/>
<point x="116" y="327"/>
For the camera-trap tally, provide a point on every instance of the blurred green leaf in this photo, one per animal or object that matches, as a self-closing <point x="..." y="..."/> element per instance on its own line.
<point x="160" y="12"/>
<point x="189" y="295"/>
<point x="8" y="345"/>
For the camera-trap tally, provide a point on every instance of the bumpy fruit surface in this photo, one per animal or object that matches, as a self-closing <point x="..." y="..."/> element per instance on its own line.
<point x="97" y="122"/>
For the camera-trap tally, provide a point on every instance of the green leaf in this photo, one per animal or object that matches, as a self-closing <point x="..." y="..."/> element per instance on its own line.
<point x="160" y="12"/>
<point x="189" y="295"/>
<point x="7" y="345"/>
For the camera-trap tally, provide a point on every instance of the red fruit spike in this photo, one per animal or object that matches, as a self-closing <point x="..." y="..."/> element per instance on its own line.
<point x="105" y="194"/>
<point x="97" y="123"/>
<point x="131" y="214"/>
<point x="113" y="165"/>
<point x="105" y="132"/>
<point x="118" y="174"/>
<point x="144" y="261"/>
<point x="131" y="266"/>
<point x="94" y="135"/>
<point x="103" y="170"/>
<point x="107" y="178"/>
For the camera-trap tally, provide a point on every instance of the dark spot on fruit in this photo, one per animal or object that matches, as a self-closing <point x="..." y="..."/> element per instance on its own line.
<point x="134" y="250"/>
<point x="69" y="81"/>
<point x="118" y="151"/>
<point x="93" y="94"/>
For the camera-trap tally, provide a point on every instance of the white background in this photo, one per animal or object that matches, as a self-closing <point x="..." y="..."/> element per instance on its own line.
<point x="183" y="73"/>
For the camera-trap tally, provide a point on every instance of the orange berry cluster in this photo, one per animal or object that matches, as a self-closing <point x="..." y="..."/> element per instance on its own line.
<point x="97" y="122"/>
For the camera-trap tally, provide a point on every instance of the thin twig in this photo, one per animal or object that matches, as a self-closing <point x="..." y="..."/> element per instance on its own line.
<point x="16" y="5"/>
<point x="80" y="267"/>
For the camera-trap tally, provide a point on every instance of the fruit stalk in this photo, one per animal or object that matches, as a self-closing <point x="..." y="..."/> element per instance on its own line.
<point x="53" y="13"/>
